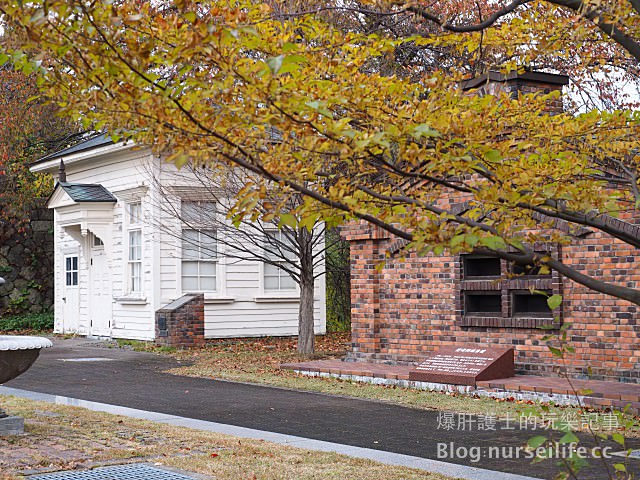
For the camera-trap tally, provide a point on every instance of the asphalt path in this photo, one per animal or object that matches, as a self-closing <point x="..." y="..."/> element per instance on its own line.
<point x="137" y="380"/>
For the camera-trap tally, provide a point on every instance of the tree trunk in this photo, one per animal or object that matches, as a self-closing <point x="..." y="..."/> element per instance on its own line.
<point x="306" y="334"/>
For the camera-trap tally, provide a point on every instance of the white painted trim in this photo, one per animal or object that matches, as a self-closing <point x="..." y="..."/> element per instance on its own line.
<point x="131" y="300"/>
<point x="194" y="194"/>
<point x="51" y="165"/>
<point x="156" y="237"/>
<point x="127" y="228"/>
<point x="74" y="254"/>
<point x="131" y="195"/>
<point x="265" y="295"/>
<point x="220" y="260"/>
<point x="60" y="198"/>
<point x="64" y="288"/>
<point x="213" y="300"/>
<point x="276" y="298"/>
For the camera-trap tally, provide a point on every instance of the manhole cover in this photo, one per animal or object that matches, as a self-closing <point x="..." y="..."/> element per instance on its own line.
<point x="119" y="472"/>
<point x="87" y="359"/>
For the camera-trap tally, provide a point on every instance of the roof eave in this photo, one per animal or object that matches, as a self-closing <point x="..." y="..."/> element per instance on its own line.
<point x="493" y="76"/>
<point x="52" y="163"/>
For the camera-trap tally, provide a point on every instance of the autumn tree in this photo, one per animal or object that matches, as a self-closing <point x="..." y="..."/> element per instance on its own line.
<point x="293" y="252"/>
<point x="601" y="74"/>
<point x="208" y="80"/>
<point x="29" y="129"/>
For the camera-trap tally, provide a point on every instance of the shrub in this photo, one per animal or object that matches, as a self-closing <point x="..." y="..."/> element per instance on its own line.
<point x="28" y="322"/>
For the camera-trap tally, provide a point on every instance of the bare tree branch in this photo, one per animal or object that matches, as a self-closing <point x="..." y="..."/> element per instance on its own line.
<point x="476" y="27"/>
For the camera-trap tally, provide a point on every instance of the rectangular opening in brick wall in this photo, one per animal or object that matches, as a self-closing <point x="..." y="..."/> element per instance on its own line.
<point x="528" y="270"/>
<point x="483" y="303"/>
<point x="495" y="293"/>
<point x="527" y="304"/>
<point x="477" y="266"/>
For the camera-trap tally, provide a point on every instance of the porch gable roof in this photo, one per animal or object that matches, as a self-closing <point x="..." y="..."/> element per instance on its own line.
<point x="87" y="192"/>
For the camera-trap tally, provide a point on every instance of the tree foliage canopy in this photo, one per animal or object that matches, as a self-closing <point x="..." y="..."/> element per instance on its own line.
<point x="29" y="129"/>
<point x="303" y="99"/>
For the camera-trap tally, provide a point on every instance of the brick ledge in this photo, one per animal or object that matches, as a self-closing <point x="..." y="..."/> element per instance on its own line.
<point x="602" y="393"/>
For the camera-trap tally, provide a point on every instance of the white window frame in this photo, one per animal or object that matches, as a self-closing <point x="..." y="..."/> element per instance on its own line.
<point x="202" y="258"/>
<point x="280" y="273"/>
<point x="71" y="271"/>
<point x="134" y="257"/>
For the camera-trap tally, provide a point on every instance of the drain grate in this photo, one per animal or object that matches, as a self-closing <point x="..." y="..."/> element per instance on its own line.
<point x="119" y="472"/>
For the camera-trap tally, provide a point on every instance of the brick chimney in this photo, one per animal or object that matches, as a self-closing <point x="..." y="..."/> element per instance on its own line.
<point x="515" y="83"/>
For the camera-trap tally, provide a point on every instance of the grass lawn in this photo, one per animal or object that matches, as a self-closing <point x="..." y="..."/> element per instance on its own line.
<point x="257" y="360"/>
<point x="62" y="437"/>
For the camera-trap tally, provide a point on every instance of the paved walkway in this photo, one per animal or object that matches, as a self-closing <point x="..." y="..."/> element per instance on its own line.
<point x="602" y="394"/>
<point x="450" y="469"/>
<point x="77" y="369"/>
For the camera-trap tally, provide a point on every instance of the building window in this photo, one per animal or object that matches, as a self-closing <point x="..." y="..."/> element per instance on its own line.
<point x="134" y="259"/>
<point x="280" y="250"/>
<point x="199" y="247"/>
<point x="198" y="214"/>
<point x="496" y="293"/>
<point x="134" y="213"/>
<point x="71" y="271"/>
<point x="97" y="242"/>
<point x="199" y="260"/>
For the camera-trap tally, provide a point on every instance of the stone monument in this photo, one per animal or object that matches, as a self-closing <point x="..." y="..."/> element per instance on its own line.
<point x="465" y="365"/>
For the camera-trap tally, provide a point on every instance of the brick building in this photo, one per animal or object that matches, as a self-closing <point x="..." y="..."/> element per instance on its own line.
<point x="414" y="305"/>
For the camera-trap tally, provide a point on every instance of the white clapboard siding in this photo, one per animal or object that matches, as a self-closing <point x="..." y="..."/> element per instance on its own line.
<point x="120" y="171"/>
<point x="239" y="283"/>
<point x="239" y="307"/>
<point x="132" y="321"/>
<point x="64" y="245"/>
<point x="250" y="319"/>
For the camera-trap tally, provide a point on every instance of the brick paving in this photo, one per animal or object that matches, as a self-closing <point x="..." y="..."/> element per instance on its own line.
<point x="338" y="367"/>
<point x="595" y="393"/>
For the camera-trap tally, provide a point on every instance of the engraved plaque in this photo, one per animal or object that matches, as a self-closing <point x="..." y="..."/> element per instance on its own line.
<point x="465" y="365"/>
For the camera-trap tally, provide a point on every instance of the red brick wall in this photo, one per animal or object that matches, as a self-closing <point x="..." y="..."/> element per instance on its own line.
<point x="407" y="308"/>
<point x="402" y="309"/>
<point x="181" y="323"/>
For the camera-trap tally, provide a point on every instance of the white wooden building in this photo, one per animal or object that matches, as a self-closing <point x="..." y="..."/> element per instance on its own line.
<point x="119" y="256"/>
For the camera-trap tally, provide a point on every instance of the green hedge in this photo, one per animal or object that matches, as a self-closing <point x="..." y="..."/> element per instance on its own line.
<point x="34" y="321"/>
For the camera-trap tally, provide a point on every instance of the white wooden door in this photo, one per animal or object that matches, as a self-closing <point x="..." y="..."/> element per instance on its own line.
<point x="71" y="297"/>
<point x="100" y="302"/>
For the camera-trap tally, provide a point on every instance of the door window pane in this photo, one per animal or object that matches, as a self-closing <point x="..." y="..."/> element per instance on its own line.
<point x="71" y="271"/>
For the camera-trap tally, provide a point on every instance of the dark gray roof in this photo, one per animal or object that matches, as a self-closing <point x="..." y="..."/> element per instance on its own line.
<point x="95" y="141"/>
<point x="532" y="76"/>
<point x="87" y="192"/>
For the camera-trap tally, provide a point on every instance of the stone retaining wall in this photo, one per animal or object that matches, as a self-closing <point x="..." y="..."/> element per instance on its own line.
<point x="26" y="264"/>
